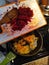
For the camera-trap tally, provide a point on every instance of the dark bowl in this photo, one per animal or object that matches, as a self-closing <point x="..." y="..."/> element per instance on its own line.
<point x="36" y="50"/>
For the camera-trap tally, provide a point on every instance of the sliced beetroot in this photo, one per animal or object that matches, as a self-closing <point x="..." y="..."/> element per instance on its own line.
<point x="25" y="11"/>
<point x="24" y="15"/>
<point x="21" y="24"/>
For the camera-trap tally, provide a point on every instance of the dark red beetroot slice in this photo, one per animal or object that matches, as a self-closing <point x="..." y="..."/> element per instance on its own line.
<point x="15" y="27"/>
<point x="25" y="11"/>
<point x="13" y="21"/>
<point x="23" y="17"/>
<point x="20" y="24"/>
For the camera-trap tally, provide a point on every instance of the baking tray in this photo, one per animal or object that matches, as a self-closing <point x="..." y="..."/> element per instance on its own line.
<point x="37" y="13"/>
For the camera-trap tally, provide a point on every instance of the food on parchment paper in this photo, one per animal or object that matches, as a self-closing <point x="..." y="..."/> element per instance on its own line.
<point x="26" y="45"/>
<point x="19" y="18"/>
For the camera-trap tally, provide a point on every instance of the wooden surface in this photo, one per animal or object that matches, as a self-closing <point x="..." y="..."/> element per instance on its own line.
<point x="41" y="61"/>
